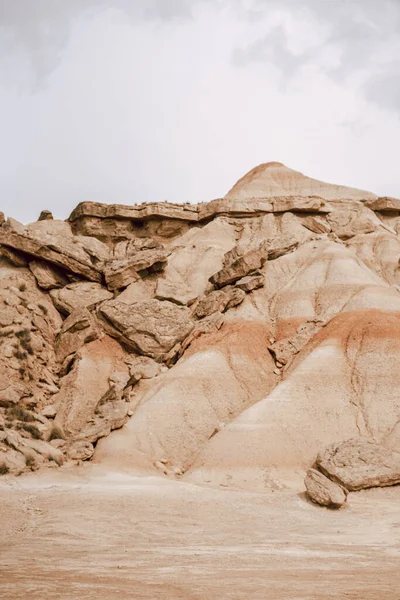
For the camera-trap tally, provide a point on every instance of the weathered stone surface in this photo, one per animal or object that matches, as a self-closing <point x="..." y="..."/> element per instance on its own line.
<point x="19" y="259"/>
<point x="296" y="204"/>
<point x="360" y="463"/>
<point x="78" y="329"/>
<point x="250" y="282"/>
<point x="348" y="220"/>
<point x="120" y="273"/>
<point x="80" y="450"/>
<point x="54" y="242"/>
<point x="384" y="204"/>
<point x="196" y="256"/>
<point x="47" y="277"/>
<point x="323" y="491"/>
<point x="28" y="323"/>
<point x="178" y="292"/>
<point x="219" y="301"/>
<point x="144" y="367"/>
<point x="80" y="294"/>
<point x="316" y="224"/>
<point x="237" y="265"/>
<point x="284" y="350"/>
<point x="86" y="386"/>
<point x="151" y="328"/>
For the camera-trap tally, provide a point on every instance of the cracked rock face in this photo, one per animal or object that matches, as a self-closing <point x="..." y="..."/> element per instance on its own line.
<point x="226" y="342"/>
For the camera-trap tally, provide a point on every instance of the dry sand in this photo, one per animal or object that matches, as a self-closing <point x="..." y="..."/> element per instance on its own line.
<point x="88" y="534"/>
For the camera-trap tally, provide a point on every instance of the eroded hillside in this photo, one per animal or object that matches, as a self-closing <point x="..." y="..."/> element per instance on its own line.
<point x="226" y="342"/>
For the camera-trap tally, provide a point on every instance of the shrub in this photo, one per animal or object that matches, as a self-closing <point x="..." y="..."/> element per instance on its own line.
<point x="20" y="414"/>
<point x="30" y="428"/>
<point x="3" y="469"/>
<point x="22" y="287"/>
<point x="43" y="308"/>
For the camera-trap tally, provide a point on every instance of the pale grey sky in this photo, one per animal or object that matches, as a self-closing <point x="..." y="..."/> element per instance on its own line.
<point x="145" y="100"/>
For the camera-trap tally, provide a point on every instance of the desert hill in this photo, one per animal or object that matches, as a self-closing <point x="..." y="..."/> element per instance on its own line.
<point x="227" y="342"/>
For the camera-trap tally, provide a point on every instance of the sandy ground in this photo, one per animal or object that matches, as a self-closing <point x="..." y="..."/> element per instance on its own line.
<point x="87" y="534"/>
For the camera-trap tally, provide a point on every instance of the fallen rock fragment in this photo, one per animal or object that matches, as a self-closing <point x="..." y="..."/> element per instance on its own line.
<point x="80" y="450"/>
<point x="360" y="463"/>
<point x="323" y="491"/>
<point x="250" y="282"/>
<point x="219" y="301"/>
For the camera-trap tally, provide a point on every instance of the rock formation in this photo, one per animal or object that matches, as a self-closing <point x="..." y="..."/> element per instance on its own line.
<point x="225" y="342"/>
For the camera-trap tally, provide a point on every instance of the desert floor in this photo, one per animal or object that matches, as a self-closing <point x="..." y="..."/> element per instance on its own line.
<point x="90" y="534"/>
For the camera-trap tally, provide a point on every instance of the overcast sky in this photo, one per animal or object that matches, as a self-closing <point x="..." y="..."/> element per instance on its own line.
<point x="146" y="100"/>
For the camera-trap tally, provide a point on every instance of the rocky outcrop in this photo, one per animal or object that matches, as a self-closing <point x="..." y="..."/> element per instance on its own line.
<point x="53" y="241"/>
<point x="323" y="491"/>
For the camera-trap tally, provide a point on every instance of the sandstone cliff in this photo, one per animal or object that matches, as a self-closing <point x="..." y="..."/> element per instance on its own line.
<point x="226" y="342"/>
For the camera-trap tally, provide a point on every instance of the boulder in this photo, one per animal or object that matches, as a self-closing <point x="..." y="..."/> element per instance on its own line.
<point x="238" y="265"/>
<point x="80" y="450"/>
<point x="143" y="367"/>
<point x="120" y="273"/>
<point x="80" y="294"/>
<point x="360" y="463"/>
<point x="323" y="491"/>
<point x="47" y="277"/>
<point x="219" y="301"/>
<point x="151" y="328"/>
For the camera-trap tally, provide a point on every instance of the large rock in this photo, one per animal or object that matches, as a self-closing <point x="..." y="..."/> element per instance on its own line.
<point x="239" y="264"/>
<point x="384" y="204"/>
<point x="80" y="294"/>
<point x="54" y="242"/>
<point x="323" y="491"/>
<point x="151" y="328"/>
<point x="119" y="273"/>
<point x="219" y="301"/>
<point x="360" y="463"/>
